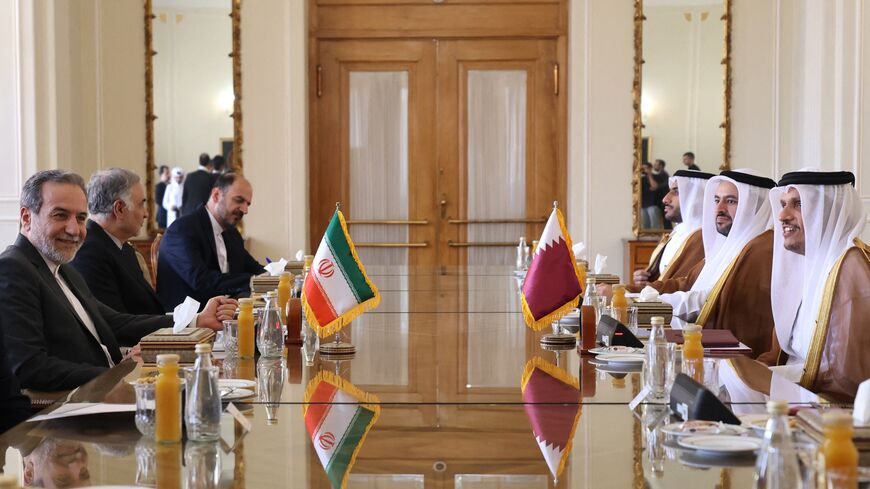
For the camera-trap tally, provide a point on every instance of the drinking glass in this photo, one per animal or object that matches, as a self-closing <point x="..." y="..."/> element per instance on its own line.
<point x="632" y="319"/>
<point x="231" y="338"/>
<point x="145" y="404"/>
<point x="600" y="304"/>
<point x="659" y="369"/>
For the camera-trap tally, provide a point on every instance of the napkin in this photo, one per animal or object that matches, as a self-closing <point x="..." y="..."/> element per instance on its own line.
<point x="861" y="408"/>
<point x="276" y="267"/>
<point x="649" y="294"/>
<point x="184" y="313"/>
<point x="579" y="250"/>
<point x="600" y="263"/>
<point x="300" y="255"/>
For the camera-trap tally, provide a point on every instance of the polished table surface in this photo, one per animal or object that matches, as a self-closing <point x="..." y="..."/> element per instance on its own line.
<point x="445" y="355"/>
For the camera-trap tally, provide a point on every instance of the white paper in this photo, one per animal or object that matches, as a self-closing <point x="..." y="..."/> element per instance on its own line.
<point x="861" y="408"/>
<point x="649" y="294"/>
<point x="245" y="422"/>
<point x="300" y="255"/>
<point x="639" y="397"/>
<point x="276" y="267"/>
<point x="600" y="263"/>
<point x="579" y="250"/>
<point x="83" y="408"/>
<point x="184" y="313"/>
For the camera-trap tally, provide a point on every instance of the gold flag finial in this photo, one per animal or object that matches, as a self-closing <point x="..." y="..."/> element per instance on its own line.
<point x="555" y="204"/>
<point x="337" y="206"/>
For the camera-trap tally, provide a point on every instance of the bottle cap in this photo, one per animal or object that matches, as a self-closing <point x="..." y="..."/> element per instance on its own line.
<point x="272" y="293"/>
<point x="692" y="328"/>
<point x="246" y="301"/>
<point x="837" y="417"/>
<point x="618" y="286"/>
<point x="202" y="348"/>
<point x="167" y="359"/>
<point x="777" y="407"/>
<point x="284" y="275"/>
<point x="657" y="320"/>
<point x="590" y="280"/>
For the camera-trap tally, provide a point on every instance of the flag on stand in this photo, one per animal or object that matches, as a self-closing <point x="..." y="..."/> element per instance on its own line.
<point x="552" y="285"/>
<point x="337" y="289"/>
<point x="338" y="416"/>
<point x="552" y="402"/>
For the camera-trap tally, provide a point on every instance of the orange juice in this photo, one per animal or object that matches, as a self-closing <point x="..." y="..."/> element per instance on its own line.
<point x="246" y="328"/>
<point x="582" y="277"/>
<point x="284" y="287"/>
<point x="841" y="456"/>
<point x="588" y="326"/>
<point x="167" y="393"/>
<point x="619" y="304"/>
<point x="693" y="353"/>
<point x="169" y="466"/>
<point x="247" y="369"/>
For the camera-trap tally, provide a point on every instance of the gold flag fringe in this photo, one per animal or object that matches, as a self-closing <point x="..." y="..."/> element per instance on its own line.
<point x="367" y="400"/>
<point x="343" y="320"/>
<point x="563" y="376"/>
<point x="539" y="324"/>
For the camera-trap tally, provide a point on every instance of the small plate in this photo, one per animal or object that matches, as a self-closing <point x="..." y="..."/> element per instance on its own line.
<point x="237" y="394"/>
<point x="617" y="368"/>
<point x="236" y="383"/>
<point x="624" y="358"/>
<point x="700" y="427"/>
<point x="758" y="422"/>
<point x="721" y="444"/>
<point x="604" y="350"/>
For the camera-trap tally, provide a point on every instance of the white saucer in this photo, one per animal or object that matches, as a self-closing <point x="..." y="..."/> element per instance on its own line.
<point x="721" y="444"/>
<point x="621" y="358"/>
<point x="236" y="383"/>
<point x="237" y="394"/>
<point x="604" y="350"/>
<point x="699" y="427"/>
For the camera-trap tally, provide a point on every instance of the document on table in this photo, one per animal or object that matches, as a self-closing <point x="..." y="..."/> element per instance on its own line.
<point x="84" y="408"/>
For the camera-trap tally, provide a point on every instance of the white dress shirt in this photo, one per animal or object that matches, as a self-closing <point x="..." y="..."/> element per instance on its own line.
<point x="219" y="244"/>
<point x="77" y="306"/>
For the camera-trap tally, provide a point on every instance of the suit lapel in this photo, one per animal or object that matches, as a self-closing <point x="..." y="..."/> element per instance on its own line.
<point x="208" y="234"/>
<point x="103" y="330"/>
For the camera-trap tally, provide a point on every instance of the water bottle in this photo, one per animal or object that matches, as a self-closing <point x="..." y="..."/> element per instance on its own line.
<point x="521" y="253"/>
<point x="270" y="336"/>
<point x="310" y="342"/>
<point x="297" y="286"/>
<point x="202" y="414"/>
<point x="202" y="465"/>
<point x="777" y="464"/>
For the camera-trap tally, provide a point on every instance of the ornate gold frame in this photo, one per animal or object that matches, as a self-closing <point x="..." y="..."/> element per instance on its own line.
<point x="236" y="55"/>
<point x="637" y="124"/>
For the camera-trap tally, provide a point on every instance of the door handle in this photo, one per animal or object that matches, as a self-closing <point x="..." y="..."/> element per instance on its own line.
<point x="443" y="204"/>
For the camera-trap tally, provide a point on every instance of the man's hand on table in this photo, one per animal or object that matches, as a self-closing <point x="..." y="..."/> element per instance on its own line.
<point x="604" y="290"/>
<point x="217" y="310"/>
<point x="641" y="278"/>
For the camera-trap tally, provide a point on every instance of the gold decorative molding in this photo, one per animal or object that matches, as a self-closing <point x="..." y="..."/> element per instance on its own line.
<point x="637" y="125"/>
<point x="726" y="61"/>
<point x="236" y="15"/>
<point x="150" y="166"/>
<point x="149" y="117"/>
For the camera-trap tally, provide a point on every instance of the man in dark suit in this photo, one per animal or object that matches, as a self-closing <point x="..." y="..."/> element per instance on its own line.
<point x="58" y="335"/>
<point x="203" y="254"/>
<point x="107" y="262"/>
<point x="197" y="186"/>
<point x="159" y="192"/>
<point x="14" y="406"/>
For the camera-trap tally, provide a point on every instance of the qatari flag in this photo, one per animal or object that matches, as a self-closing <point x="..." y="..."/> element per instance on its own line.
<point x="552" y="286"/>
<point x="552" y="402"/>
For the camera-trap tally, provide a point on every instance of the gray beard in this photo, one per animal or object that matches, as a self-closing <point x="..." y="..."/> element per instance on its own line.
<point x="43" y="244"/>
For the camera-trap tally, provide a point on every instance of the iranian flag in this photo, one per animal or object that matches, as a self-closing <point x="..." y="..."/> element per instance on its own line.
<point x="552" y="403"/>
<point x="337" y="289"/>
<point x="552" y="285"/>
<point x="338" y="416"/>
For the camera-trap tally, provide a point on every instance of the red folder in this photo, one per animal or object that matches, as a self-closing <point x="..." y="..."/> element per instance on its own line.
<point x="710" y="338"/>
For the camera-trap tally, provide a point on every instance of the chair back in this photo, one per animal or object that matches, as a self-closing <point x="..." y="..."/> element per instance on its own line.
<point x="155" y="251"/>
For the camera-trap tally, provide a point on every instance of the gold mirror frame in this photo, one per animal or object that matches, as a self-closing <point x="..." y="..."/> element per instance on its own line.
<point x="236" y="55"/>
<point x="638" y="126"/>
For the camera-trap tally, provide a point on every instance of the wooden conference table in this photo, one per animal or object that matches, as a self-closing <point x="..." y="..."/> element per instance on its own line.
<point x="444" y="353"/>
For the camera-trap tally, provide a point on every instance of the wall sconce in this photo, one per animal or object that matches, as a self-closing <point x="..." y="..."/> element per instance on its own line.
<point x="225" y="100"/>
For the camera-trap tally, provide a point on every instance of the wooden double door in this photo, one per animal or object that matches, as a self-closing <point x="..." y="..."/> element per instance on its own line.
<point x="442" y="152"/>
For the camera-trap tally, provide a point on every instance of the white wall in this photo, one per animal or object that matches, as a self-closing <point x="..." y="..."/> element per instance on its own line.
<point x="193" y="84"/>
